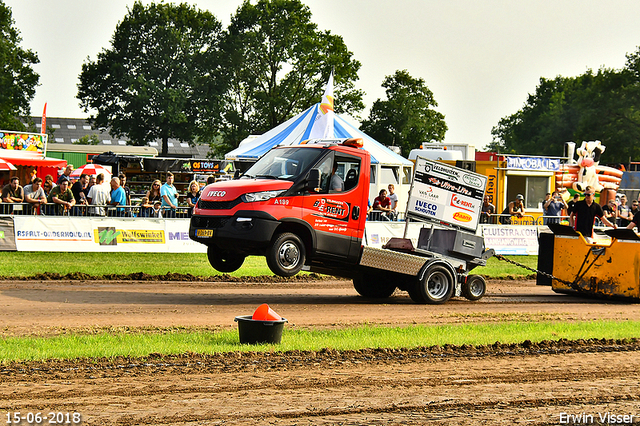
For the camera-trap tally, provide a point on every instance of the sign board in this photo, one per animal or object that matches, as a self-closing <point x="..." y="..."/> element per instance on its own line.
<point x="446" y="194"/>
<point x="20" y="141"/>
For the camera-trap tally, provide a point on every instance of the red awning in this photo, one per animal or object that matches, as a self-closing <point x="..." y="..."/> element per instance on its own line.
<point x="35" y="161"/>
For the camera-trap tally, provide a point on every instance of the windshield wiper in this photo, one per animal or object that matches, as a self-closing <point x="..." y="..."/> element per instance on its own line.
<point x="267" y="176"/>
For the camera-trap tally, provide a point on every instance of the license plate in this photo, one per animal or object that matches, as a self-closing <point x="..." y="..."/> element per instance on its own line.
<point x="204" y="233"/>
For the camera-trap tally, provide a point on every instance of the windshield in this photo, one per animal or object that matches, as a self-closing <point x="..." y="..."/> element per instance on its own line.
<point x="284" y="163"/>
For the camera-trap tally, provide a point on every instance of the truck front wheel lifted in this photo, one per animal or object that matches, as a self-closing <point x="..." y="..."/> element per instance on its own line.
<point x="435" y="288"/>
<point x="223" y="261"/>
<point x="373" y="287"/>
<point x="286" y="256"/>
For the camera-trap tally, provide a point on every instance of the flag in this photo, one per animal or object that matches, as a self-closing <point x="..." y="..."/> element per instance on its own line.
<point x="43" y="127"/>
<point x="323" y="124"/>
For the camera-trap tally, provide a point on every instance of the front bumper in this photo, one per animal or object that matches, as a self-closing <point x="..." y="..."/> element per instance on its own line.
<point x="247" y="232"/>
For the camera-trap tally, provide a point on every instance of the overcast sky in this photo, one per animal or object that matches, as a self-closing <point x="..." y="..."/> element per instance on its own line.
<point x="480" y="58"/>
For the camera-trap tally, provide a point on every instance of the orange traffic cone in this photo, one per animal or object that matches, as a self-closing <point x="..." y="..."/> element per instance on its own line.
<point x="265" y="313"/>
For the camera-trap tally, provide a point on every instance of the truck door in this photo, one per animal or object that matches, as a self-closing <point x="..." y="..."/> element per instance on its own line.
<point x="337" y="210"/>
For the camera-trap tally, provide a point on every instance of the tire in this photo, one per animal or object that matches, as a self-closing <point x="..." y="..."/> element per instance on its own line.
<point x="435" y="288"/>
<point x="373" y="287"/>
<point x="223" y="261"/>
<point x="474" y="287"/>
<point x="286" y="255"/>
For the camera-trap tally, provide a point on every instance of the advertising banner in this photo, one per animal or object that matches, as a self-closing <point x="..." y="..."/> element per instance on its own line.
<point x="76" y="234"/>
<point x="19" y="141"/>
<point x="7" y="237"/>
<point x="517" y="240"/>
<point x="446" y="194"/>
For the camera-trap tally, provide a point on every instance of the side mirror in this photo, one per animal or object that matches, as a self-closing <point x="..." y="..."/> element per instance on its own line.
<point x="313" y="180"/>
<point x="236" y="174"/>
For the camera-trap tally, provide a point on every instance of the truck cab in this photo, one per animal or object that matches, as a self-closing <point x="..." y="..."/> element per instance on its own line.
<point x="298" y="205"/>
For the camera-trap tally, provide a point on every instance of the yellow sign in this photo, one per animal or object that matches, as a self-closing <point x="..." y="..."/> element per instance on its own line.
<point x="113" y="236"/>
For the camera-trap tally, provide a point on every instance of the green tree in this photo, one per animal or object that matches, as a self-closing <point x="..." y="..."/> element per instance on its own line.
<point x="18" y="81"/>
<point x="161" y="78"/>
<point x="88" y="140"/>
<point x="406" y="118"/>
<point x="602" y="105"/>
<point x="279" y="64"/>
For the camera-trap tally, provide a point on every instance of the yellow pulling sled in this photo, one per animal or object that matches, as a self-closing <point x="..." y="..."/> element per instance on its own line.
<point x="604" y="268"/>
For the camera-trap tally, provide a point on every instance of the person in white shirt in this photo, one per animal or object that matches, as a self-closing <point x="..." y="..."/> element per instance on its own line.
<point x="394" y="202"/>
<point x="98" y="196"/>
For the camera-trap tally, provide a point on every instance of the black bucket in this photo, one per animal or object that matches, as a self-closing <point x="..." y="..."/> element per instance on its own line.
<point x="254" y="331"/>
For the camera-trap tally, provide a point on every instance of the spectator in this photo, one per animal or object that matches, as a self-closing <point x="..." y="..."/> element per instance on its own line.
<point x="127" y="190"/>
<point x="487" y="210"/>
<point x="545" y="211"/>
<point x="145" y="209"/>
<point x="169" y="197"/>
<point x="153" y="195"/>
<point x="34" y="195"/>
<point x="62" y="196"/>
<point x="65" y="175"/>
<point x="118" y="196"/>
<point x="92" y="181"/>
<point x="157" y="209"/>
<point x="47" y="186"/>
<point x="585" y="212"/>
<point x="211" y="179"/>
<point x="394" y="202"/>
<point x="514" y="208"/>
<point x="570" y="204"/>
<point x="193" y="195"/>
<point x="98" y="196"/>
<point x="554" y="206"/>
<point x="12" y="192"/>
<point x="609" y="210"/>
<point x="624" y="215"/>
<point x="78" y="193"/>
<point x="382" y="203"/>
<point x="634" y="208"/>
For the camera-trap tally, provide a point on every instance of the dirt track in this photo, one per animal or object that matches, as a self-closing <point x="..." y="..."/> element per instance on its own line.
<point x="527" y="384"/>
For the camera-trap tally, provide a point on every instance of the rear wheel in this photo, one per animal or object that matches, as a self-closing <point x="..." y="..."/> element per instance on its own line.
<point x="474" y="287"/>
<point x="436" y="287"/>
<point x="287" y="255"/>
<point x="224" y="261"/>
<point x="373" y="287"/>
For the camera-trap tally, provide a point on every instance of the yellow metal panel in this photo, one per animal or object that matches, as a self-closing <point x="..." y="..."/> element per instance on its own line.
<point x="616" y="272"/>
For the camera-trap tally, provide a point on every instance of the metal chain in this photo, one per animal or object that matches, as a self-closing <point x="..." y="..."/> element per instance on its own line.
<point x="513" y="262"/>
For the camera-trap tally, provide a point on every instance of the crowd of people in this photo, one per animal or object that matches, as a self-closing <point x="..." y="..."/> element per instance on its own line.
<point x="92" y="196"/>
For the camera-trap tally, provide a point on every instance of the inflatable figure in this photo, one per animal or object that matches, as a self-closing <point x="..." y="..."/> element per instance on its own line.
<point x="588" y="159"/>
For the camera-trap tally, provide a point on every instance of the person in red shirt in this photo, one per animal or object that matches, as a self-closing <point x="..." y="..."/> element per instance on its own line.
<point x="383" y="203"/>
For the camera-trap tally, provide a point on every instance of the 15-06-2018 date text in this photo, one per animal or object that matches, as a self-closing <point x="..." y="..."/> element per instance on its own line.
<point x="46" y="418"/>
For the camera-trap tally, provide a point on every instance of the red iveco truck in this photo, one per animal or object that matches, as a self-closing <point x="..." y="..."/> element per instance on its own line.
<point x="306" y="206"/>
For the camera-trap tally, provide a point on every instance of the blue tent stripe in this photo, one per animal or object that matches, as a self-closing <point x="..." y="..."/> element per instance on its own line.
<point x="258" y="151"/>
<point x="307" y="131"/>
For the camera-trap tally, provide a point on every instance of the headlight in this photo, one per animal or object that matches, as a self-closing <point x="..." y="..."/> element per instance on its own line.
<point x="260" y="196"/>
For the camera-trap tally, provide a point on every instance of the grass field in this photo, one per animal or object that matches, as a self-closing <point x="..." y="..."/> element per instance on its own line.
<point x="141" y="345"/>
<point x="21" y="264"/>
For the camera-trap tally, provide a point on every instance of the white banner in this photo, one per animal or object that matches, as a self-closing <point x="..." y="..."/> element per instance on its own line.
<point x="378" y="234"/>
<point x="511" y="239"/>
<point x="446" y="193"/>
<point x="79" y="234"/>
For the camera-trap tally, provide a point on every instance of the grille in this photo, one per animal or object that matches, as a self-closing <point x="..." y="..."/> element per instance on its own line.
<point x="209" y="222"/>
<point x="218" y="205"/>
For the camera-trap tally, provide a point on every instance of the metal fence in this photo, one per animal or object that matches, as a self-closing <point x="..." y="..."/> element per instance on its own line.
<point x="52" y="209"/>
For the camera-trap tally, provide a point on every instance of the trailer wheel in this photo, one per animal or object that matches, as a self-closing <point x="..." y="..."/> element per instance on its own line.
<point x="286" y="256"/>
<point x="436" y="287"/>
<point x="373" y="287"/>
<point x="224" y="261"/>
<point x="474" y="287"/>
